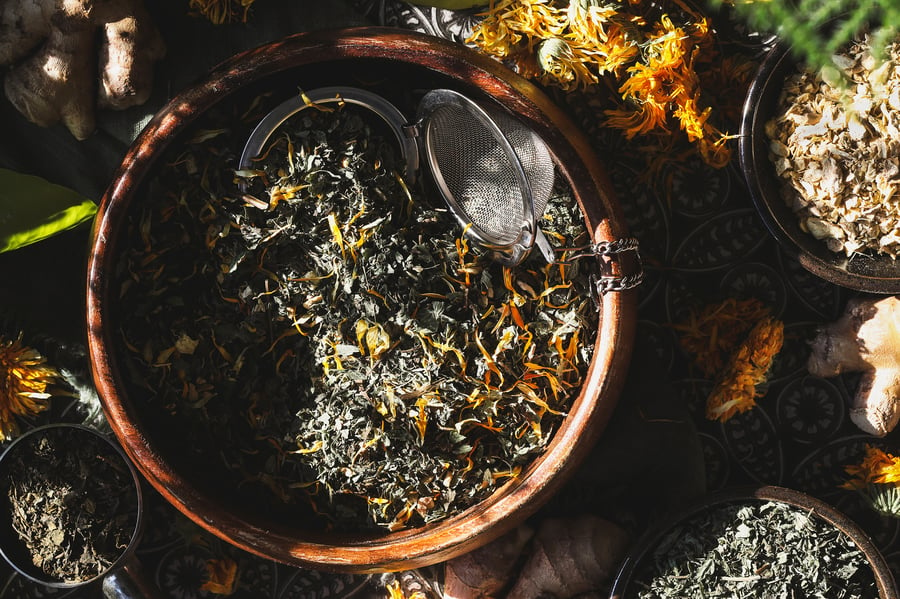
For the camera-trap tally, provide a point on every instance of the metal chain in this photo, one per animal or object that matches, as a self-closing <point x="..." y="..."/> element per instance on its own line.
<point x="617" y="246"/>
<point x="606" y="284"/>
<point x="623" y="283"/>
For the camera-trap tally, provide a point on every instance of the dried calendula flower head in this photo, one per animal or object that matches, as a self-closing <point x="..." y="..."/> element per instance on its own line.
<point x="738" y="387"/>
<point x="221" y="576"/>
<point x="561" y="62"/>
<point x="651" y="51"/>
<point x="25" y="380"/>
<point x="712" y="334"/>
<point x="877" y="476"/>
<point x="736" y="342"/>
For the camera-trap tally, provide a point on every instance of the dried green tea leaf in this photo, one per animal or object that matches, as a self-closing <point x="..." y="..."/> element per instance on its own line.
<point x="756" y="549"/>
<point x="335" y="344"/>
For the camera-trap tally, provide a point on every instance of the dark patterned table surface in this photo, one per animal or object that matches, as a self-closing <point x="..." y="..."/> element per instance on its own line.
<point x="701" y="242"/>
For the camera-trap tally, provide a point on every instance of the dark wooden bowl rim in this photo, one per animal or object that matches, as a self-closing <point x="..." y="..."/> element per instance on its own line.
<point x="510" y="505"/>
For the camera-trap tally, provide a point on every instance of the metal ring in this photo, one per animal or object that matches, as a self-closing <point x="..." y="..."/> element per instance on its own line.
<point x="389" y="113"/>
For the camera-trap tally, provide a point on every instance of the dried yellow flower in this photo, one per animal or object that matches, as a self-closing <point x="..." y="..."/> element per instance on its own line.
<point x="25" y="378"/>
<point x="221" y="576"/>
<point x="220" y="12"/>
<point x="395" y="591"/>
<point x="651" y="58"/>
<point x="878" y="478"/>
<point x="564" y="64"/>
<point x="712" y="335"/>
<point x="877" y="467"/>
<point x="738" y="388"/>
<point x="735" y="341"/>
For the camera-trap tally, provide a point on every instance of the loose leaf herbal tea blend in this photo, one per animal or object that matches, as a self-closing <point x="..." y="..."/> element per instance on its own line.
<point x="761" y="549"/>
<point x="328" y="335"/>
<point x="72" y="501"/>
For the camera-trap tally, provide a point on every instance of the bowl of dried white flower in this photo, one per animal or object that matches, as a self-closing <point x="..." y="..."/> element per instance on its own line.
<point x="819" y="154"/>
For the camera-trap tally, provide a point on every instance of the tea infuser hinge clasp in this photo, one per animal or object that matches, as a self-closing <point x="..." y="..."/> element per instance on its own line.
<point x="610" y="251"/>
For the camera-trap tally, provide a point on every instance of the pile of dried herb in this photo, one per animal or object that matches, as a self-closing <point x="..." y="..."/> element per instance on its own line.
<point x="73" y="503"/>
<point x="761" y="549"/>
<point x="834" y="141"/>
<point x="326" y="334"/>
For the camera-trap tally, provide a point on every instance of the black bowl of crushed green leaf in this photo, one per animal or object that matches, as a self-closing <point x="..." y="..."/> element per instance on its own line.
<point x="307" y="357"/>
<point x="759" y="542"/>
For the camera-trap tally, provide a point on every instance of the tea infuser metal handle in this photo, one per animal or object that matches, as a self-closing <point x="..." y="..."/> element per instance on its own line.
<point x="389" y="113"/>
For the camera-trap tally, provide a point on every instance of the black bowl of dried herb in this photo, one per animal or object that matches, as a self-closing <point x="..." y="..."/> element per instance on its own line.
<point x="308" y="357"/>
<point x="814" y="168"/>
<point x="72" y="511"/>
<point x="756" y="542"/>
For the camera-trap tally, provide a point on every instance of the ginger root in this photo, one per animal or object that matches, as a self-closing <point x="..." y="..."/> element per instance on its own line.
<point x="486" y="571"/>
<point x="565" y="558"/>
<point x="570" y="557"/>
<point x="59" y="71"/>
<point x="865" y="339"/>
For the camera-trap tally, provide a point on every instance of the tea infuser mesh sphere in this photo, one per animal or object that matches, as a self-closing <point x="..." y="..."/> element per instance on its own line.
<point x="490" y="200"/>
<point x="495" y="174"/>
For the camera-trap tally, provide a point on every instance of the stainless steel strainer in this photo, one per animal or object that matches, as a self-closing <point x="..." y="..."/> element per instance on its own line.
<point x="495" y="174"/>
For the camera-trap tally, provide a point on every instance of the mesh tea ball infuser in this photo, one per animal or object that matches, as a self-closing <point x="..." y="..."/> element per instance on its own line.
<point x="495" y="174"/>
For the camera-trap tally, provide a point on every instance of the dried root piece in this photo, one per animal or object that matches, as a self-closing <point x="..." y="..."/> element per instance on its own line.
<point x="22" y="27"/>
<point x="865" y="339"/>
<point x="486" y="571"/>
<point x="130" y="47"/>
<point x="59" y="72"/>
<point x="570" y="557"/>
<point x="566" y="558"/>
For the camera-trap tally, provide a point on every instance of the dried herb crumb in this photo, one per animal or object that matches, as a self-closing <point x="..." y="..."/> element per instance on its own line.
<point x="73" y="502"/>
<point x="330" y="340"/>
<point x="760" y="549"/>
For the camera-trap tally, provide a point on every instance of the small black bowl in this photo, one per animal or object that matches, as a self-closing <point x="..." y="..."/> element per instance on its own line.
<point x="625" y="584"/>
<point x="862" y="272"/>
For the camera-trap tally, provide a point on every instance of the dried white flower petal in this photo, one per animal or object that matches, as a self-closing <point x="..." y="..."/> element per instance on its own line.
<point x="837" y="151"/>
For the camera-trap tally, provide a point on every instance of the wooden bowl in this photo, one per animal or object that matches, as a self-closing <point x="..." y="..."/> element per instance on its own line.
<point x="862" y="272"/>
<point x="624" y="585"/>
<point x="328" y="58"/>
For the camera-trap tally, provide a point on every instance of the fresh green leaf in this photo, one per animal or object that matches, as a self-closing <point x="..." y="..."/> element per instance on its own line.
<point x="32" y="209"/>
<point x="816" y="29"/>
